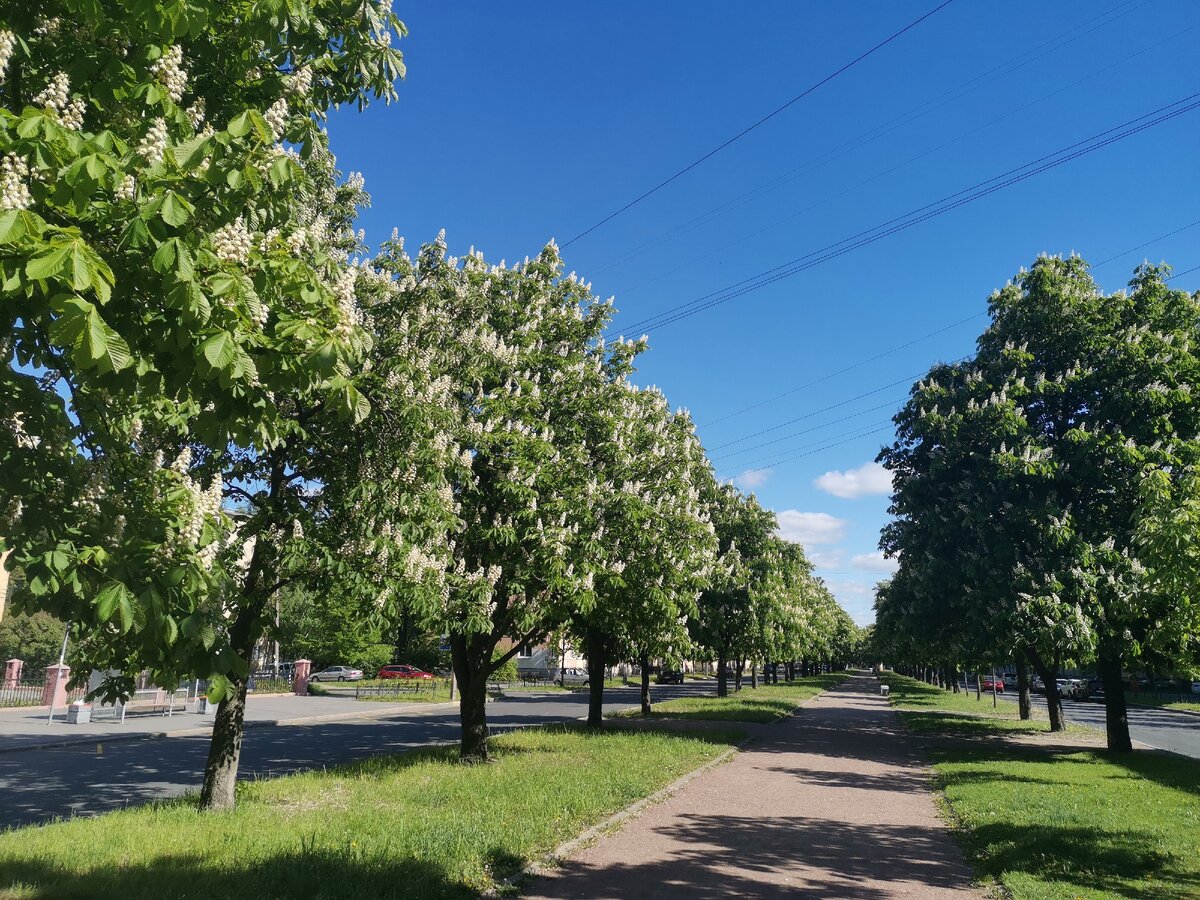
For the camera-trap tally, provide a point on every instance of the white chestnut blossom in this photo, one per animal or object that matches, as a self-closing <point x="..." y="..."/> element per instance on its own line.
<point x="14" y="186"/>
<point x="232" y="242"/>
<point x="169" y="72"/>
<point x="196" y="113"/>
<point x="276" y="117"/>
<point x="8" y="43"/>
<point x="127" y="189"/>
<point x="154" y="144"/>
<point x="55" y="94"/>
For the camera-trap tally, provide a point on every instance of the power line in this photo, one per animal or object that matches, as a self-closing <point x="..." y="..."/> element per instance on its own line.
<point x="726" y="246"/>
<point x="908" y="379"/>
<point x="877" y="429"/>
<point x="870" y="359"/>
<point x="916" y="216"/>
<point x="745" y="131"/>
<point x="789" y="455"/>
<point x="912" y="115"/>
<point x="891" y="404"/>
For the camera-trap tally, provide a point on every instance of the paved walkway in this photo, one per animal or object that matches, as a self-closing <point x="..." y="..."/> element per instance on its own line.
<point x="832" y="803"/>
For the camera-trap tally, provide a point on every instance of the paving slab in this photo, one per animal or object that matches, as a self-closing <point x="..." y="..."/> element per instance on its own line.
<point x="834" y="802"/>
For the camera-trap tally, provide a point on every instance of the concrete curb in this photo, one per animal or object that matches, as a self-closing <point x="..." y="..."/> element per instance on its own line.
<point x="56" y="744"/>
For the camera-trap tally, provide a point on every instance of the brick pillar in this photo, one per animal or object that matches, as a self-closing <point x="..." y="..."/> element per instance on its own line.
<point x="300" y="676"/>
<point x="55" y="692"/>
<point x="12" y="673"/>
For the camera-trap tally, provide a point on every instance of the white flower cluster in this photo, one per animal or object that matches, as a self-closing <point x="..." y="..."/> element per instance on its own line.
<point x="154" y="144"/>
<point x="300" y="82"/>
<point x="8" y="43"/>
<point x="14" y="190"/>
<point x="196" y="113"/>
<point x="25" y="440"/>
<point x="55" y="94"/>
<point x="276" y="117"/>
<point x="127" y="189"/>
<point x="169" y="72"/>
<point x="350" y="316"/>
<point x="355" y="181"/>
<point x="232" y="242"/>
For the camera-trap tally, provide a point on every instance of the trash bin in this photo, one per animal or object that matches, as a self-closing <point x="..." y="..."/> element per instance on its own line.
<point x="79" y="713"/>
<point x="206" y="707"/>
<point x="884" y="690"/>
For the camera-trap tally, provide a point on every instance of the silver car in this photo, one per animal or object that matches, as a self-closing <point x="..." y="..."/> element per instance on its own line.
<point x="573" y="676"/>
<point x="337" y="673"/>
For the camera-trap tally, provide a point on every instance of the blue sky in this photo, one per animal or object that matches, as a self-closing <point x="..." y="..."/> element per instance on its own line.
<point x="524" y="121"/>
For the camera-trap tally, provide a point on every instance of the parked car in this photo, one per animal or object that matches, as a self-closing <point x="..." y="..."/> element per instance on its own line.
<point x="1036" y="685"/>
<point x="991" y="682"/>
<point x="1196" y="687"/>
<point x="573" y="676"/>
<point x="1072" y="688"/>
<point x="337" y="673"/>
<point x="670" y="676"/>
<point x="1010" y="681"/>
<point x="399" y="670"/>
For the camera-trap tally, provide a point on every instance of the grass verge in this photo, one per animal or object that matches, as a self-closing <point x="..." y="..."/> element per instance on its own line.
<point x="766" y="703"/>
<point x="1054" y="822"/>
<point x="414" y="826"/>
<point x="1185" y="705"/>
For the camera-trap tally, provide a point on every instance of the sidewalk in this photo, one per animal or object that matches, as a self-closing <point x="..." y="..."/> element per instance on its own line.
<point x="833" y="803"/>
<point x="27" y="729"/>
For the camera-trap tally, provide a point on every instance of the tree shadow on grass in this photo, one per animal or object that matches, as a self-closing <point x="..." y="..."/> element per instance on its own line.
<point x="1115" y="862"/>
<point x="1164" y="769"/>
<point x="314" y="874"/>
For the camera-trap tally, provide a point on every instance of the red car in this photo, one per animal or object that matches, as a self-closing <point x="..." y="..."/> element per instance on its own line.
<point x="987" y="683"/>
<point x="402" y="671"/>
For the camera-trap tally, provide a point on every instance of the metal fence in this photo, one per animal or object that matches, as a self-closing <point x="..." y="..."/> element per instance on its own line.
<point x="30" y="693"/>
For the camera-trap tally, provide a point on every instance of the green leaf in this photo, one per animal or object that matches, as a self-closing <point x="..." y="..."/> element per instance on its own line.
<point x="17" y="223"/>
<point x="125" y="609"/>
<point x="48" y="263"/>
<point x="207" y="635"/>
<point x="241" y="125"/>
<point x="175" y="210"/>
<point x="220" y="350"/>
<point x="94" y="344"/>
<point x="106" y="600"/>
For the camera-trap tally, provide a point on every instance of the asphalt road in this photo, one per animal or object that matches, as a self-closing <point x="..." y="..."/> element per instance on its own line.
<point x="37" y="786"/>
<point x="1163" y="729"/>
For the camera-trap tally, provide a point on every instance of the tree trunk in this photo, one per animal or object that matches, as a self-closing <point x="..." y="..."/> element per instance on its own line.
<point x="1024" y="695"/>
<point x="225" y="750"/>
<point x="594" y="644"/>
<point x="1116" y="717"/>
<point x="722" y="677"/>
<point x="737" y="676"/>
<point x="978" y="687"/>
<point x="753" y="674"/>
<point x="471" y="671"/>
<point x="645" y="685"/>
<point x="1049" y="675"/>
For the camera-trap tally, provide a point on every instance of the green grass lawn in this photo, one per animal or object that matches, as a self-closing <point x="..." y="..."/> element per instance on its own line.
<point x="766" y="703"/>
<point x="927" y="708"/>
<point x="1056" y="823"/>
<point x="1138" y="700"/>
<point x="413" y="826"/>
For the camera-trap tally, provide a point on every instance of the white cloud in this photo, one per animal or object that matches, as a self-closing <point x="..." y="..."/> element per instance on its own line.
<point x="809" y="528"/>
<point x="855" y="597"/>
<point x="868" y="479"/>
<point x="826" y="559"/>
<point x="752" y="478"/>
<point x="874" y="562"/>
